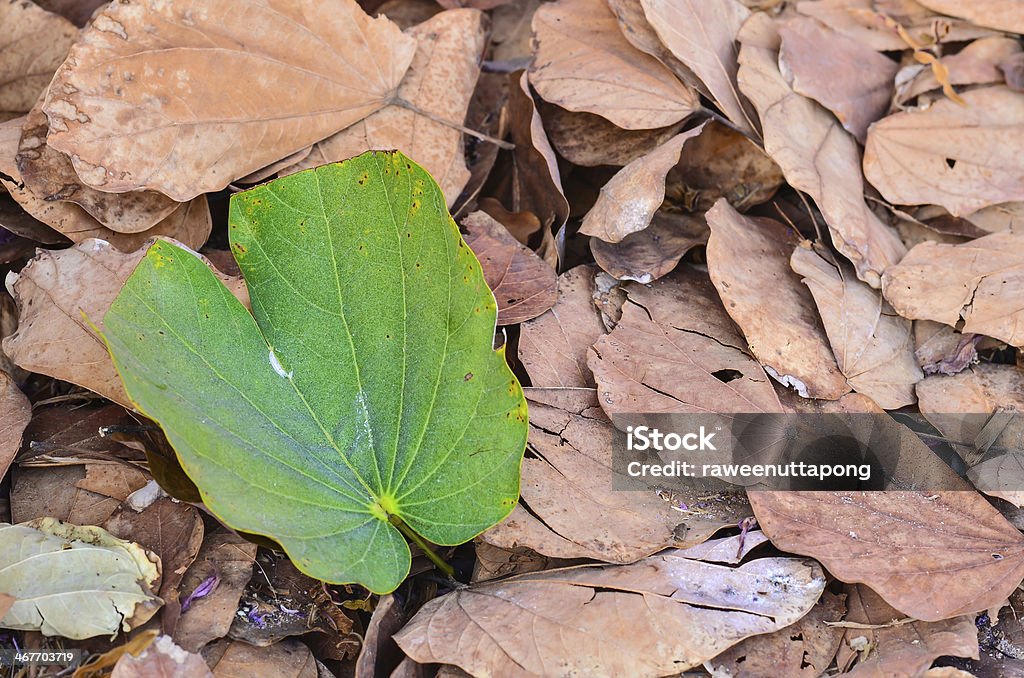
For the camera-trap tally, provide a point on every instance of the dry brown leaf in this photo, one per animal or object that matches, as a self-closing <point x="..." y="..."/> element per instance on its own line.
<point x="976" y="64"/>
<point x="583" y="63"/>
<point x="569" y="507"/>
<point x="981" y="281"/>
<point x="553" y="347"/>
<point x="1012" y="68"/>
<point x="638" y="31"/>
<point x="21" y="223"/>
<point x="15" y="414"/>
<point x="702" y="35"/>
<point x="523" y="285"/>
<point x="50" y="176"/>
<point x="843" y="75"/>
<point x="653" y="252"/>
<point x="161" y="659"/>
<point x="320" y="69"/>
<point x="77" y="11"/>
<point x="903" y="648"/>
<point x="439" y="82"/>
<point x="54" y="291"/>
<point x="802" y="650"/>
<point x="722" y="163"/>
<point x="378" y="653"/>
<point x="818" y="157"/>
<point x="873" y="346"/>
<point x="748" y="260"/>
<point x="33" y="45"/>
<point x="657" y="617"/>
<point x="676" y="350"/>
<point x="287" y="659"/>
<point x="1002" y="15"/>
<point x="629" y="200"/>
<point x="940" y="349"/>
<point x="590" y="140"/>
<point x="963" y="158"/>
<point x="931" y="555"/>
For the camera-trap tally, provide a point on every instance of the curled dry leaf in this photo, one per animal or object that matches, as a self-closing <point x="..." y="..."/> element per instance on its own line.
<point x="818" y="157"/>
<point x="629" y="200"/>
<point x="439" y="82"/>
<point x="161" y="659"/>
<point x="894" y="645"/>
<point x="843" y="75"/>
<point x="589" y="140"/>
<point x="76" y="582"/>
<point x="321" y="68"/>
<point x="702" y="35"/>
<point x="680" y="613"/>
<point x="977" y="164"/>
<point x="523" y="284"/>
<point x="1002" y="15"/>
<point x="569" y="507"/>
<point x="940" y="349"/>
<point x="748" y="260"/>
<point x="653" y="252"/>
<point x="981" y="281"/>
<point x="976" y="64"/>
<point x="676" y="350"/>
<point x="583" y="63"/>
<point x="15" y="414"/>
<point x="1012" y="68"/>
<point x="553" y="347"/>
<point x="34" y="44"/>
<point x="873" y="346"/>
<point x="59" y="293"/>
<point x="931" y="555"/>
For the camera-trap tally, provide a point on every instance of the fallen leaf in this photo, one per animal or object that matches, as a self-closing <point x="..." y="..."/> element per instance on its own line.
<point x="570" y="507"/>
<point x="652" y="253"/>
<point x="35" y="43"/>
<point x="589" y="140"/>
<point x="161" y="659"/>
<point x="379" y="655"/>
<point x="676" y="350"/>
<point x="494" y="562"/>
<point x="845" y="76"/>
<point x="681" y="613"/>
<point x="42" y="492"/>
<point x="287" y="659"/>
<point x="628" y="202"/>
<point x="19" y="222"/>
<point x="976" y="64"/>
<point x="553" y="346"/>
<point x="975" y="166"/>
<point x="230" y="558"/>
<point x="73" y="581"/>
<point x="897" y="647"/>
<point x="748" y="261"/>
<point x="77" y="11"/>
<point x="523" y="285"/>
<point x="979" y="281"/>
<point x="98" y="666"/>
<point x="940" y="349"/>
<point x="702" y="35"/>
<point x="728" y="550"/>
<point x="439" y="84"/>
<point x="1013" y="70"/>
<point x="124" y="133"/>
<point x="1002" y="15"/>
<point x="583" y="63"/>
<point x="116" y="481"/>
<point x="931" y="555"/>
<point x="873" y="346"/>
<point x="802" y="650"/>
<point x="818" y="157"/>
<point x="638" y="31"/>
<point x="15" y="414"/>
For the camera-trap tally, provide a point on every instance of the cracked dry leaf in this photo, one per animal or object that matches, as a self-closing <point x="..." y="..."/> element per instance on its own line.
<point x="34" y="44"/>
<point x="296" y="73"/>
<point x="818" y="157"/>
<point x="569" y="507"/>
<point x="962" y="157"/>
<point x="53" y="292"/>
<point x="629" y="200"/>
<point x="843" y="75"/>
<point x="654" y="252"/>
<point x="657" y="617"/>
<point x="748" y="261"/>
<point x="1002" y="15"/>
<point x="702" y="35"/>
<point x="981" y="281"/>
<point x="676" y="350"/>
<point x="76" y="582"/>
<point x="440" y="82"/>
<point x="553" y="346"/>
<point x="584" y="63"/>
<point x="873" y="346"/>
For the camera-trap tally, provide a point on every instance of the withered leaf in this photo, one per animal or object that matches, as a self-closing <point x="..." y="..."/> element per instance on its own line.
<point x="972" y="168"/>
<point x="980" y="281"/>
<point x="1002" y="15"/>
<point x="110" y="111"/>
<point x="652" y="253"/>
<point x="748" y="260"/>
<point x="589" y="140"/>
<point x="583" y="63"/>
<point x="680" y="613"/>
<point x="162" y="659"/>
<point x="638" y="31"/>
<point x="286" y="659"/>
<point x="977" y="63"/>
<point x="15" y="414"/>
<point x="34" y="44"/>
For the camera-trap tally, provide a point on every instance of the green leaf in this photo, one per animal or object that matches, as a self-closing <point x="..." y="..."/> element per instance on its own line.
<point x="361" y="391"/>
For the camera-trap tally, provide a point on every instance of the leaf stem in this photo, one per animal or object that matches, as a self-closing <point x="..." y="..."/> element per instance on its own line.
<point x="399" y="101"/>
<point x="419" y="541"/>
